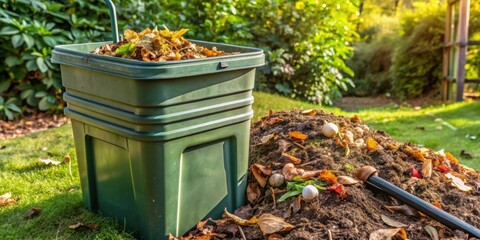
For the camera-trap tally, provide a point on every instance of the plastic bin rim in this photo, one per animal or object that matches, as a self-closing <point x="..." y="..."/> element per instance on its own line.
<point x="251" y="52"/>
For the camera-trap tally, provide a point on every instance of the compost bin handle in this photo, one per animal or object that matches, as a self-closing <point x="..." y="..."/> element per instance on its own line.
<point x="113" y="20"/>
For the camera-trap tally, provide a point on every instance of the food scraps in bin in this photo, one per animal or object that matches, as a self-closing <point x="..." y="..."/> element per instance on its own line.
<point x="153" y="45"/>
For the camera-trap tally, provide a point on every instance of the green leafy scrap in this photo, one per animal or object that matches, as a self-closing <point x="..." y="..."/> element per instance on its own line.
<point x="126" y="49"/>
<point x="296" y="186"/>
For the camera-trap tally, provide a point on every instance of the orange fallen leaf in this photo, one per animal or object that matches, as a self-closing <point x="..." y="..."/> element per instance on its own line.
<point x="292" y="159"/>
<point x="458" y="182"/>
<point x="438" y="205"/>
<point x="270" y="224"/>
<point x="260" y="172"/>
<point x="327" y="176"/>
<point x="372" y="144"/>
<point x="392" y="146"/>
<point x="442" y="168"/>
<point x="239" y="220"/>
<point x="355" y="119"/>
<point x="402" y="234"/>
<point x="298" y="135"/>
<point x="50" y="161"/>
<point x="274" y="120"/>
<point x="33" y="212"/>
<point x="80" y="225"/>
<point x="253" y="192"/>
<point x="309" y="112"/>
<point x="427" y="168"/>
<point x="416" y="153"/>
<point x="6" y="199"/>
<point x="66" y="159"/>
<point x="450" y="157"/>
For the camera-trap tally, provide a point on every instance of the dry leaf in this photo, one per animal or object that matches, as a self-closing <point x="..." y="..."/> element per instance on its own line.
<point x="201" y="224"/>
<point x="260" y="172"/>
<point x="392" y="146"/>
<point x="253" y="192"/>
<point x="283" y="145"/>
<point x="372" y="144"/>
<point x="458" y="182"/>
<point x="327" y="176"/>
<point x="309" y="112"/>
<point x="403" y="209"/>
<point x="240" y="221"/>
<point x="417" y="153"/>
<point x="427" y="168"/>
<point x="451" y="158"/>
<point x="347" y="181"/>
<point x="274" y="120"/>
<point x="298" y="135"/>
<point x="33" y="212"/>
<point x="402" y="234"/>
<point x="355" y="119"/>
<point x="384" y="234"/>
<point x="292" y="159"/>
<point x="66" y="159"/>
<point x="267" y="138"/>
<point x="432" y="232"/>
<point x="294" y="207"/>
<point x="6" y="199"/>
<point x="50" y="161"/>
<point x="80" y="225"/>
<point x="269" y="224"/>
<point x="391" y="222"/>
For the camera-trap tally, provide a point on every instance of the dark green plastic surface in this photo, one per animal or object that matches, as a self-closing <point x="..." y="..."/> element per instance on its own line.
<point x="164" y="145"/>
<point x="162" y="187"/>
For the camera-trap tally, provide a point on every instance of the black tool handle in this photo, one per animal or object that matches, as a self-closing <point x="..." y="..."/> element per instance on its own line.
<point x="422" y="206"/>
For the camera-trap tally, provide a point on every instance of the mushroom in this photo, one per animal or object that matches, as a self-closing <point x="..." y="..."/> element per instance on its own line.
<point x="309" y="193"/>
<point x="276" y="180"/>
<point x="329" y="130"/>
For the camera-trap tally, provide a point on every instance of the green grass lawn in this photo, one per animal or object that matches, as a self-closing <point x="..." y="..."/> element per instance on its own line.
<point x="55" y="189"/>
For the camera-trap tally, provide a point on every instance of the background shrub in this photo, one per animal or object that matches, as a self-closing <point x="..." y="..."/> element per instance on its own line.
<point x="306" y="42"/>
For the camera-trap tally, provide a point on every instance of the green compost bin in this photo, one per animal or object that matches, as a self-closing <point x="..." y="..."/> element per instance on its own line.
<point x="160" y="146"/>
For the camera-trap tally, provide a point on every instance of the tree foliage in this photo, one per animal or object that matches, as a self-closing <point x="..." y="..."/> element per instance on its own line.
<point x="305" y="41"/>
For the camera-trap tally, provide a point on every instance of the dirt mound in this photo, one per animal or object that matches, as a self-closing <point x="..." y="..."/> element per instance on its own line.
<point x="345" y="211"/>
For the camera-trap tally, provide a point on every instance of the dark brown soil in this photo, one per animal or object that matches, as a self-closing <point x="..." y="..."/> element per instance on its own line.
<point x="358" y="214"/>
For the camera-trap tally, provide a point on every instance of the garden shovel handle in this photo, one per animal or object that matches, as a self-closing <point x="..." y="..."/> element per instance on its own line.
<point x="370" y="178"/>
<point x="113" y="20"/>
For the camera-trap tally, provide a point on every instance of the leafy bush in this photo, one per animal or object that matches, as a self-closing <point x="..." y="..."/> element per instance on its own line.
<point x="371" y="63"/>
<point x="305" y="41"/>
<point x="28" y="32"/>
<point x="417" y="60"/>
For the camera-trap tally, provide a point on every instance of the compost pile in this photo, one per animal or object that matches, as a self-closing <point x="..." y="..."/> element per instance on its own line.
<point x="295" y="145"/>
<point x="157" y="46"/>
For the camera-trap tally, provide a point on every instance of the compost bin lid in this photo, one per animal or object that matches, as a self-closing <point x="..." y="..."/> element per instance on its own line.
<point x="79" y="55"/>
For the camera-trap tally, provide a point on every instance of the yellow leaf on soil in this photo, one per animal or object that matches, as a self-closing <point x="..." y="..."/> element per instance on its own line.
<point x="450" y="157"/>
<point x="372" y="144"/>
<point x="270" y="224"/>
